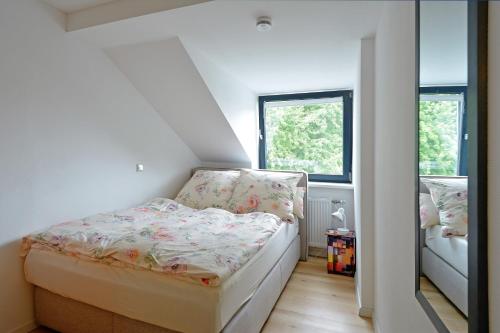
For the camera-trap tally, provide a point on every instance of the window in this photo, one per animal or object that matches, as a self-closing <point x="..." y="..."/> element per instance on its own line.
<point x="443" y="131"/>
<point x="309" y="132"/>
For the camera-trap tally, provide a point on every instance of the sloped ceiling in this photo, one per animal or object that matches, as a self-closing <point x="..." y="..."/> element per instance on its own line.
<point x="164" y="74"/>
<point x="88" y="13"/>
<point x="71" y="6"/>
<point x="235" y="100"/>
<point x="202" y="66"/>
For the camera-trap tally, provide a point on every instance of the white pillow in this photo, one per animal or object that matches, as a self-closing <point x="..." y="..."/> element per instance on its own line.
<point x="429" y="214"/>
<point x="208" y="188"/>
<point x="258" y="191"/>
<point x="298" y="202"/>
<point x="450" y="198"/>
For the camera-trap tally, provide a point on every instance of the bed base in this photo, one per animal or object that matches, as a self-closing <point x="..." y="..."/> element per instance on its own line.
<point x="449" y="281"/>
<point x="67" y="315"/>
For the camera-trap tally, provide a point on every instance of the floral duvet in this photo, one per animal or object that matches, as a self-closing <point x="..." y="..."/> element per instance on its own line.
<point x="204" y="246"/>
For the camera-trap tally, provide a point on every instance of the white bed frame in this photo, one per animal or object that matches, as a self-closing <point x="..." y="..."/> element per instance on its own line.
<point x="67" y="315"/>
<point x="452" y="283"/>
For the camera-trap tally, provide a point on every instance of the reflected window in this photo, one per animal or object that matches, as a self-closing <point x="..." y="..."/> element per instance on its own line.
<point x="442" y="131"/>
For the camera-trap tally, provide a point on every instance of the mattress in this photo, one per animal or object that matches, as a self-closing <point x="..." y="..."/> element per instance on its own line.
<point x="152" y="297"/>
<point x="453" y="250"/>
<point x="203" y="246"/>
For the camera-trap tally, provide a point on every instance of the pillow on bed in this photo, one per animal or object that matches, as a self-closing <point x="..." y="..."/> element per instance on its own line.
<point x="268" y="192"/>
<point x="298" y="202"/>
<point x="450" y="198"/>
<point x="208" y="188"/>
<point x="429" y="214"/>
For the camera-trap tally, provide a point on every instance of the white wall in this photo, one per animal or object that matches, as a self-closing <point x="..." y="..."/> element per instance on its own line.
<point x="396" y="308"/>
<point x="443" y="42"/>
<point x="494" y="164"/>
<point x="165" y="75"/>
<point x="72" y="129"/>
<point x="332" y="192"/>
<point x="363" y="174"/>
<point x="235" y="100"/>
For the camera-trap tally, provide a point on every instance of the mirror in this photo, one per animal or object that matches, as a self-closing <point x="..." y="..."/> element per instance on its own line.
<point x="450" y="123"/>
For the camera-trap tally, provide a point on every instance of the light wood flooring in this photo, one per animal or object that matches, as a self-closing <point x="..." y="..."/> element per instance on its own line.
<point x="449" y="314"/>
<point x="313" y="301"/>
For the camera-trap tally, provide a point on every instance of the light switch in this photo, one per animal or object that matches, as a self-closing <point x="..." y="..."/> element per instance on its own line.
<point x="139" y="167"/>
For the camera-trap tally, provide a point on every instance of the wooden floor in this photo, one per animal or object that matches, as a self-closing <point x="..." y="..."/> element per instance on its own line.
<point x="313" y="301"/>
<point x="453" y="319"/>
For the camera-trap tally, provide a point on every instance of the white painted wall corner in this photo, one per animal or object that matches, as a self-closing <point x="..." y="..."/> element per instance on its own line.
<point x="29" y="326"/>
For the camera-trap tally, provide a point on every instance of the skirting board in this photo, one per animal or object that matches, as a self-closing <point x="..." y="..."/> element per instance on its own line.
<point x="29" y="326"/>
<point x="317" y="252"/>
<point x="376" y="326"/>
<point x="365" y="312"/>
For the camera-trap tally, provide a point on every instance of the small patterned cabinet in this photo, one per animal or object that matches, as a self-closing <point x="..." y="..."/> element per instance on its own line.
<point x="341" y="253"/>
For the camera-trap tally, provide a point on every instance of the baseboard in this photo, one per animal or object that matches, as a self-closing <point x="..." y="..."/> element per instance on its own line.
<point x="317" y="252"/>
<point x="365" y="312"/>
<point x="376" y="326"/>
<point x="29" y="326"/>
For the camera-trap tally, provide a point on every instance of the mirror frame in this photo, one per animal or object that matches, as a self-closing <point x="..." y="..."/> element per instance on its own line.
<point x="477" y="117"/>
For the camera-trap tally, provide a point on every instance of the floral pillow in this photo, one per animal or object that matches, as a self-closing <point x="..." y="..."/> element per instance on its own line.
<point x="208" y="188"/>
<point x="267" y="192"/>
<point x="298" y="202"/>
<point x="429" y="214"/>
<point x="450" y="198"/>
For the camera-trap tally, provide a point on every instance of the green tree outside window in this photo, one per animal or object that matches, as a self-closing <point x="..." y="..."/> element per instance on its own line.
<point x="305" y="137"/>
<point x="439" y="137"/>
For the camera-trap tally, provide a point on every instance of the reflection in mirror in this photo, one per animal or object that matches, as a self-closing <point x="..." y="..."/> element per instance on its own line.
<point x="442" y="140"/>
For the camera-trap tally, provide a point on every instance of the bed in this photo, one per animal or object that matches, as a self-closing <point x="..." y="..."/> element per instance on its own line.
<point x="444" y="262"/>
<point x="74" y="295"/>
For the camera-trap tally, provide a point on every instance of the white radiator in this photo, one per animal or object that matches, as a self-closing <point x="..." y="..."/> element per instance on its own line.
<point x="319" y="219"/>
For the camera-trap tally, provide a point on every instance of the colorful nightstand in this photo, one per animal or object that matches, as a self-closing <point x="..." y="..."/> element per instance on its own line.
<point x="341" y="253"/>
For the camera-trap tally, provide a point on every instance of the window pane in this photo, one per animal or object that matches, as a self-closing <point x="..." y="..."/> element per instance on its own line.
<point x="305" y="136"/>
<point x="439" y="136"/>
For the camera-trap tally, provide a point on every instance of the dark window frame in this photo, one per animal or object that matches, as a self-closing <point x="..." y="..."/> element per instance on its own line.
<point x="455" y="90"/>
<point x="347" y="96"/>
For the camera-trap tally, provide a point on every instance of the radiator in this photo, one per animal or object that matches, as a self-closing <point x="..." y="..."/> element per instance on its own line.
<point x="319" y="219"/>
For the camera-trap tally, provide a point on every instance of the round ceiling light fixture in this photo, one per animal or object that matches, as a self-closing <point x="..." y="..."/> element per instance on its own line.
<point x="264" y="24"/>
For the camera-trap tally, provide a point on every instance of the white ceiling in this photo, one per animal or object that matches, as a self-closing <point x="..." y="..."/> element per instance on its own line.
<point x="443" y="42"/>
<point x="71" y="6"/>
<point x="313" y="44"/>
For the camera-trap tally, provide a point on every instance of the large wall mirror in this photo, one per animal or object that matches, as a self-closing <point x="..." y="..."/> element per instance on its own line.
<point x="450" y="210"/>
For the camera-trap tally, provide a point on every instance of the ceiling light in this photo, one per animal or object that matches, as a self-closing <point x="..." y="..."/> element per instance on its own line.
<point x="264" y="23"/>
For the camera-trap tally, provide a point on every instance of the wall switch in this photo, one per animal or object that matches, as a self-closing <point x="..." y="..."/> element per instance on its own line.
<point x="139" y="167"/>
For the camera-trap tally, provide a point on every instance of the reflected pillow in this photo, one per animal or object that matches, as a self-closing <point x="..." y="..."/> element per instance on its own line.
<point x="208" y="188"/>
<point x="298" y="202"/>
<point x="429" y="214"/>
<point x="267" y="192"/>
<point x="450" y="198"/>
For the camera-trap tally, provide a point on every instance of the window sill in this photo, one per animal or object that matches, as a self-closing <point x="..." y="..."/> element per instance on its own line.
<point x="339" y="186"/>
